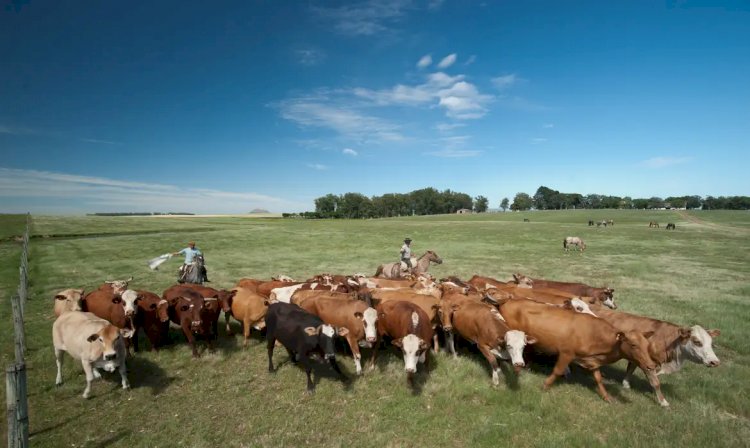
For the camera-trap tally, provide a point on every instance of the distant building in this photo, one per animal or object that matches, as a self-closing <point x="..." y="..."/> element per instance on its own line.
<point x="463" y="211"/>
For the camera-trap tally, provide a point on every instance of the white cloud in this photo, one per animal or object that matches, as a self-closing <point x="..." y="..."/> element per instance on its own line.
<point x="471" y="59"/>
<point x="317" y="166"/>
<point x="309" y="56"/>
<point x="454" y="153"/>
<point x="445" y="127"/>
<point x="505" y="82"/>
<point x="365" y="18"/>
<point x="662" y="162"/>
<point x="349" y="152"/>
<point x="447" y="61"/>
<point x="424" y="61"/>
<point x="81" y="194"/>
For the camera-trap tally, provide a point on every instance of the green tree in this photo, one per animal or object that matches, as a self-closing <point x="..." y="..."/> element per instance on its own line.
<point x="480" y="204"/>
<point x="504" y="204"/>
<point x="522" y="201"/>
<point x="325" y="206"/>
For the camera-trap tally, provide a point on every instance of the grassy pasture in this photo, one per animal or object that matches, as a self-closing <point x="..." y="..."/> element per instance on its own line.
<point x="696" y="274"/>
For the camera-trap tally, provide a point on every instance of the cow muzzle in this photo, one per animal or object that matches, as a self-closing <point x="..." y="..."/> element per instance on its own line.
<point x="110" y="356"/>
<point x="411" y="370"/>
<point x="447" y="328"/>
<point x="518" y="366"/>
<point x="713" y="363"/>
<point x="195" y="324"/>
<point x="329" y="356"/>
<point x="371" y="339"/>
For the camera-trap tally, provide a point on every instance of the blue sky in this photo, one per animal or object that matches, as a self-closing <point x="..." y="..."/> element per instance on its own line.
<point x="121" y="106"/>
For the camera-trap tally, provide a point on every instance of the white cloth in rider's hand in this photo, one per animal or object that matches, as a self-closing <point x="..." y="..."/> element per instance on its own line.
<point x="154" y="263"/>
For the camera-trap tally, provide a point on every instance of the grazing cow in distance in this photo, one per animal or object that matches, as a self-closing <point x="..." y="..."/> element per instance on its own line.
<point x="410" y="330"/>
<point x="669" y="346"/>
<point x="588" y="341"/>
<point x="653" y="224"/>
<point x="526" y="220"/>
<point x="94" y="341"/>
<point x="153" y="318"/>
<point x="302" y="334"/>
<point x="591" y="222"/>
<point x="574" y="241"/>
<point x="670" y="226"/>
<point x="68" y="300"/>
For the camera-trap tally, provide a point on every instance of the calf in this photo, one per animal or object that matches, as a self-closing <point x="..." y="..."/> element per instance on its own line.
<point x="603" y="295"/>
<point x="68" y="300"/>
<point x="249" y="308"/>
<point x="95" y="341"/>
<point x="410" y="329"/>
<point x="485" y="327"/>
<point x="669" y="346"/>
<point x="354" y="315"/>
<point x="185" y="310"/>
<point x="153" y="318"/>
<point x="588" y="341"/>
<point x="302" y="334"/>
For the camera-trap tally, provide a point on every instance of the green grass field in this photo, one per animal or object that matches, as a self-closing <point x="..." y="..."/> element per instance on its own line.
<point x="698" y="273"/>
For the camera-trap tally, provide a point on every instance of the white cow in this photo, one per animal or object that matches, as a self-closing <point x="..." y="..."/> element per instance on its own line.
<point x="68" y="300"/>
<point x="95" y="341"/>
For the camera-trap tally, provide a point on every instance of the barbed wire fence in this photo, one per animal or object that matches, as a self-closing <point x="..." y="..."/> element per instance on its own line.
<point x="15" y="374"/>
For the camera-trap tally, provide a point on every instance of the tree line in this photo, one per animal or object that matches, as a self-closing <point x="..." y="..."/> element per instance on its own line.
<point x="548" y="199"/>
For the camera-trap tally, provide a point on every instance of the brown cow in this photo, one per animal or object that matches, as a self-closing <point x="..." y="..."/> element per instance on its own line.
<point x="249" y="308"/>
<point x="603" y="295"/>
<point x="428" y="304"/>
<point x="588" y="341"/>
<point x="186" y="310"/>
<point x="153" y="318"/>
<point x="669" y="346"/>
<point x="249" y="283"/>
<point x="482" y="283"/>
<point x="224" y="296"/>
<point x="410" y="329"/>
<point x="68" y="300"/>
<point x="482" y="325"/>
<point x="119" y="309"/>
<point x="304" y="294"/>
<point x="354" y="315"/>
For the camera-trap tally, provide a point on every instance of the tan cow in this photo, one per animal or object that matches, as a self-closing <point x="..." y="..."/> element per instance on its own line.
<point x="68" y="300"/>
<point x="588" y="341"/>
<point x="304" y="294"/>
<point x="94" y="341"/>
<point x="354" y="315"/>
<point x="603" y="295"/>
<point x="250" y="309"/>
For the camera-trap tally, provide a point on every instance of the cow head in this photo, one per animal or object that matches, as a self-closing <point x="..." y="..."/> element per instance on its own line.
<point x="119" y="286"/>
<point x="523" y="281"/>
<point x="188" y="309"/>
<point x="369" y="320"/>
<point x="697" y="343"/>
<point x="324" y="334"/>
<point x="162" y="310"/>
<point x="445" y="313"/>
<point x="128" y="300"/>
<point x="607" y="298"/>
<point x="635" y="346"/>
<point x="69" y="300"/>
<point x="413" y="348"/>
<point x="107" y="338"/>
<point x="579" y="306"/>
<point x="225" y="298"/>
<point x="514" y="342"/>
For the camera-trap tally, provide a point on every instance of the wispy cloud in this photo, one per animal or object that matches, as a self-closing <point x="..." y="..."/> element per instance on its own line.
<point x="662" y="162"/>
<point x="309" y="56"/>
<point x="454" y="153"/>
<point x="446" y="127"/>
<point x="17" y="130"/>
<point x="365" y="18"/>
<point x="349" y="152"/>
<point x="103" y="142"/>
<point x="424" y="61"/>
<point x="505" y="81"/>
<point x="317" y="166"/>
<point x="548" y="125"/>
<point x="90" y="194"/>
<point x="447" y="61"/>
<point x="471" y="60"/>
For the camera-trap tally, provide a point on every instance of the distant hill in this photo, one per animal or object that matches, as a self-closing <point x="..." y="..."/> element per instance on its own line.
<point x="259" y="210"/>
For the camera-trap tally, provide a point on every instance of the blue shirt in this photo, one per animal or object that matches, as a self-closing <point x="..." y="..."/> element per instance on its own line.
<point x="190" y="254"/>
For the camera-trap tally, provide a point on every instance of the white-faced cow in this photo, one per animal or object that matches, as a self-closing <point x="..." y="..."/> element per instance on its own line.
<point x="410" y="329"/>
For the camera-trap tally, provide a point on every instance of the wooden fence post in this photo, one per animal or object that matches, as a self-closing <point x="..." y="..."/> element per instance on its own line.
<point x="17" y="405"/>
<point x="18" y="330"/>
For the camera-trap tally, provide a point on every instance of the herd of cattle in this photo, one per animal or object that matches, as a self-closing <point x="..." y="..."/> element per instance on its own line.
<point x="574" y="321"/>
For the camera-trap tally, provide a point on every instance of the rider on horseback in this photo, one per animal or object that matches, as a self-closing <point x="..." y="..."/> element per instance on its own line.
<point x="406" y="255"/>
<point x="190" y="253"/>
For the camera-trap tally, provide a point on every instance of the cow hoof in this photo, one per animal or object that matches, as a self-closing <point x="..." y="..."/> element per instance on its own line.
<point x="310" y="392"/>
<point x="625" y="384"/>
<point x="664" y="404"/>
<point x="86" y="396"/>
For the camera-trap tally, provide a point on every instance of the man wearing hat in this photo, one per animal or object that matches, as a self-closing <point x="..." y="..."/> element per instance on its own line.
<point x="406" y="254"/>
<point x="190" y="252"/>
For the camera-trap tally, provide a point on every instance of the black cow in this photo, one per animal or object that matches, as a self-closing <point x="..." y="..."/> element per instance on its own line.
<point x="302" y="334"/>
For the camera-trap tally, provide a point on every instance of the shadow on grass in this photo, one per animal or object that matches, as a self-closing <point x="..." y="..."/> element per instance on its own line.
<point x="111" y="439"/>
<point x="145" y="373"/>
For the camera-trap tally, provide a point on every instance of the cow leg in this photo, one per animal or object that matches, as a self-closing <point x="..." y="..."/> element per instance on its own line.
<point x="96" y="373"/>
<point x="271" y="344"/>
<point x="600" y="385"/>
<point x="246" y="329"/>
<point x="486" y="351"/>
<point x="563" y="360"/>
<point x="654" y="380"/>
<point x="375" y="346"/>
<point x="308" y="369"/>
<point x="628" y="374"/>
<point x="226" y="321"/>
<point x="450" y="342"/>
<point x="124" y="375"/>
<point x="135" y="339"/>
<point x="354" y="347"/>
<point x="89" y="377"/>
<point x="190" y="338"/>
<point x="435" y="346"/>
<point x="59" y="361"/>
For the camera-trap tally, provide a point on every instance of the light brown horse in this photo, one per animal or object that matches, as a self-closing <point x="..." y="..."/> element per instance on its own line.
<point x="396" y="270"/>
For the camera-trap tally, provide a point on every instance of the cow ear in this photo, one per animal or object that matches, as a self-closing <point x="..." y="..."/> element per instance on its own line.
<point x="620" y="336"/>
<point x="423" y="345"/>
<point x="343" y="331"/>
<point x="530" y="340"/>
<point x="126" y="332"/>
<point x="266" y="302"/>
<point x="685" y="333"/>
<point x="93" y="337"/>
<point x="398" y="342"/>
<point x="436" y="307"/>
<point x="60" y="297"/>
<point x="116" y="299"/>
<point x="311" y="331"/>
<point x="648" y="334"/>
<point x="358" y="315"/>
<point x="714" y="333"/>
<point x="130" y="279"/>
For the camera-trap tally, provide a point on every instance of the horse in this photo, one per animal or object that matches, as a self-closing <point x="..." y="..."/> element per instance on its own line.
<point x="398" y="269"/>
<point x="670" y="226"/>
<point x="610" y="222"/>
<point x="574" y="241"/>
<point x="653" y="224"/>
<point x="194" y="272"/>
<point x="601" y="223"/>
<point x="591" y="222"/>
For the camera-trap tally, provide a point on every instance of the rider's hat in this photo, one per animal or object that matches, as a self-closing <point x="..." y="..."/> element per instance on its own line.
<point x="407" y="240"/>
